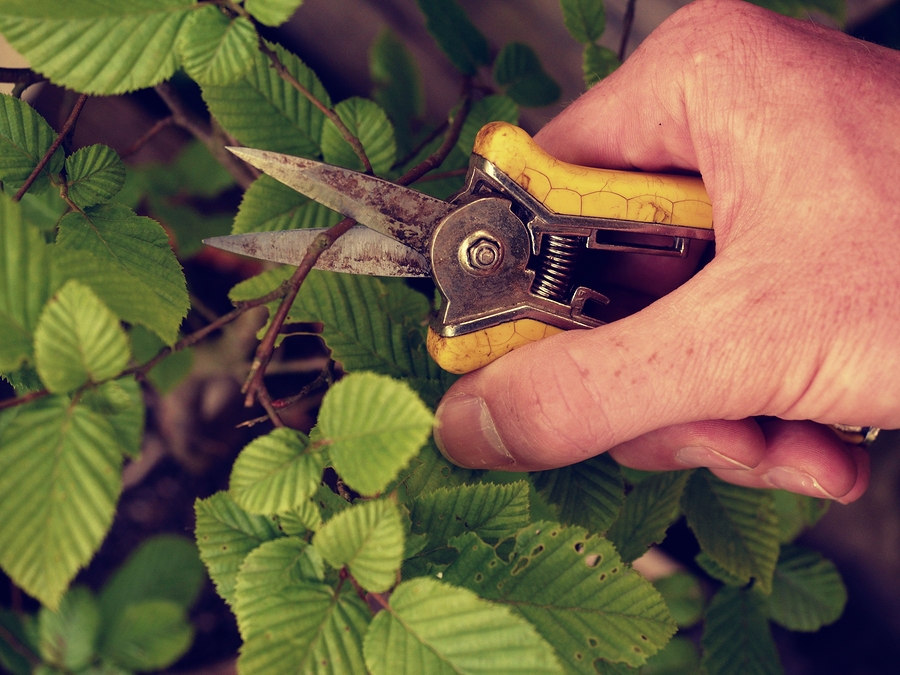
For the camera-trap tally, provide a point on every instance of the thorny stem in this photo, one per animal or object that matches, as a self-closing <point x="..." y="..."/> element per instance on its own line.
<point x="627" y="23"/>
<point x="67" y="129"/>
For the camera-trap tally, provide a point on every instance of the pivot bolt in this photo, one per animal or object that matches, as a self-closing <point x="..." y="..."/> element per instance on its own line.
<point x="482" y="255"/>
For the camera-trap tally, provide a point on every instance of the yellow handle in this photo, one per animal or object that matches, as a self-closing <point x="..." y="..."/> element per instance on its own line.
<point x="465" y="353"/>
<point x="581" y="191"/>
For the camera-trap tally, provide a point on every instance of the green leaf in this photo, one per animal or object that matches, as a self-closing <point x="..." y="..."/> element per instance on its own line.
<point x="716" y="571"/>
<point x="597" y="63"/>
<point x="432" y="627"/>
<point x="368" y="538"/>
<point x="68" y="636"/>
<point x="683" y="597"/>
<point x="290" y="621"/>
<point x="801" y="9"/>
<point x="428" y="471"/>
<point x="368" y="122"/>
<point x="455" y="34"/>
<point x="225" y="535"/>
<point x="397" y="85"/>
<point x="194" y="172"/>
<point x="188" y="225"/>
<point x="584" y="19"/>
<point x="148" y="635"/>
<point x="25" y="288"/>
<point x="272" y="12"/>
<point x="25" y="137"/>
<point x="121" y="402"/>
<point x="263" y="111"/>
<point x="97" y="47"/>
<point x="44" y="210"/>
<point x="519" y="70"/>
<point x="589" y="494"/>
<point x="736" y="637"/>
<point x="164" y="567"/>
<point x="127" y="261"/>
<point x="94" y="174"/>
<point x="736" y="526"/>
<point x="374" y="425"/>
<point x="574" y="589"/>
<point x="78" y="340"/>
<point x="650" y="508"/>
<point x="679" y="657"/>
<point x="215" y="49"/>
<point x="59" y="482"/>
<point x="14" y="640"/>
<point x="277" y="472"/>
<point x="807" y="591"/>
<point x="491" y="511"/>
<point x="488" y="109"/>
<point x="169" y="372"/>
<point x="796" y="513"/>
<point x="271" y="206"/>
<point x="305" y="517"/>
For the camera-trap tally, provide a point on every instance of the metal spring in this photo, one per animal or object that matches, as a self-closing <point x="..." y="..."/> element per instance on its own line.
<point x="556" y="267"/>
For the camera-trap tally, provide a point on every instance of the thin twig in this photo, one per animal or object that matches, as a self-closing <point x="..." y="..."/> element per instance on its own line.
<point x="22" y="78"/>
<point x="265" y="399"/>
<point x="438" y="157"/>
<point x="67" y="129"/>
<point x="288" y="401"/>
<point x="434" y="133"/>
<point x="627" y="24"/>
<point x="149" y="135"/>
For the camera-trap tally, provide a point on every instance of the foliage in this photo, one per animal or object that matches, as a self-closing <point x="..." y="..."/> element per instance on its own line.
<point x="466" y="572"/>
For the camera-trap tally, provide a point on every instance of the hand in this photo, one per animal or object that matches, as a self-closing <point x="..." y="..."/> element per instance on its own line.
<point x="794" y="130"/>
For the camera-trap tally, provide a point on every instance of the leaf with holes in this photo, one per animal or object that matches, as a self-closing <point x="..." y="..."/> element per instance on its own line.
<point x="59" y="483"/>
<point x="807" y="591"/>
<point x="94" y="174"/>
<point x="575" y="590"/>
<point x="433" y="627"/>
<point x="78" y="340"/>
<point x="270" y="206"/>
<point x="736" y="526"/>
<point x="215" y="49"/>
<point x="225" y="535"/>
<point x="736" y="636"/>
<point x="291" y="621"/>
<point x="25" y="137"/>
<point x="455" y="34"/>
<point x="589" y="494"/>
<point x="366" y="121"/>
<point x="97" y="47"/>
<point x="519" y="70"/>
<point x="277" y="472"/>
<point x="373" y="426"/>
<point x="368" y="538"/>
<point x="584" y="19"/>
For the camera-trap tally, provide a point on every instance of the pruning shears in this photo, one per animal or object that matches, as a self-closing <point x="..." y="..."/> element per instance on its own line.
<point x="505" y="252"/>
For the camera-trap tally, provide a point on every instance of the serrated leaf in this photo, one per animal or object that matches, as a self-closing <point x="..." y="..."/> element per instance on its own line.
<point x="59" y="483"/>
<point x="455" y="34"/>
<point x="97" y="47"/>
<point x="277" y="472"/>
<point x="121" y="402"/>
<point x="367" y="121"/>
<point x="225" y="535"/>
<point x="519" y="70"/>
<point x="148" y="635"/>
<point x="305" y="517"/>
<point x="294" y="623"/>
<point x="679" y="657"/>
<point x="683" y="597"/>
<point x="25" y="137"/>
<point x="68" y="636"/>
<point x="428" y="471"/>
<point x="432" y="627"/>
<point x="574" y="589"/>
<point x="127" y="260"/>
<point x="716" y="571"/>
<point x="373" y="426"/>
<point x="801" y="9"/>
<point x="650" y="508"/>
<point x="271" y="206"/>
<point x="807" y="591"/>
<point x="589" y="494"/>
<point x="491" y="511"/>
<point x="736" y="637"/>
<point x="44" y="210"/>
<point x="488" y="109"/>
<point x="169" y="372"/>
<point x="597" y="63"/>
<point x="78" y="340"/>
<point x="367" y="538"/>
<point x="397" y="85"/>
<point x="272" y="12"/>
<point x="736" y="526"/>
<point x="94" y="174"/>
<point x="263" y="111"/>
<point x="26" y="285"/>
<point x="584" y="19"/>
<point x="216" y="49"/>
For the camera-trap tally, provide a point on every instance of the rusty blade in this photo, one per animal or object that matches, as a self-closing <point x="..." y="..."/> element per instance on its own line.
<point x="359" y="251"/>
<point x="394" y="211"/>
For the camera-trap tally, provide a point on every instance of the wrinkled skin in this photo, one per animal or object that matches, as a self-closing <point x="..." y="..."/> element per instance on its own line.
<point x="794" y="129"/>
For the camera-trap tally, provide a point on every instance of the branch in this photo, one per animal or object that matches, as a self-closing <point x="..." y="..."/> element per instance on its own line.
<point x="441" y="153"/>
<point x="67" y="129"/>
<point x="22" y="78"/>
<point x="184" y="117"/>
<point x="282" y="403"/>
<point x="148" y="136"/>
<point x="627" y="23"/>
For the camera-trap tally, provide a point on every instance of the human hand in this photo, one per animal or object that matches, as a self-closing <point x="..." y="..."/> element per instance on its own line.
<point x="794" y="129"/>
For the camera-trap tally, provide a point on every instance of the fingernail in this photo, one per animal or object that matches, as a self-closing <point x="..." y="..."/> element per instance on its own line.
<point x="465" y="434"/>
<point x="695" y="456"/>
<point x="793" y="480"/>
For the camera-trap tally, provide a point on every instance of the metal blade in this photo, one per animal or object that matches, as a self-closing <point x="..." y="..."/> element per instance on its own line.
<point x="397" y="212"/>
<point x="359" y="251"/>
